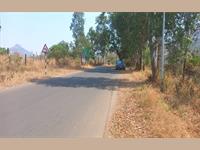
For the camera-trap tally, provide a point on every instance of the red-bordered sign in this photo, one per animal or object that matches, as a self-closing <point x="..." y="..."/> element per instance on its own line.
<point x="45" y="49"/>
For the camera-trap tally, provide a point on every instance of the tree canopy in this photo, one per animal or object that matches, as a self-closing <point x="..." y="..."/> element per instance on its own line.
<point x="136" y="37"/>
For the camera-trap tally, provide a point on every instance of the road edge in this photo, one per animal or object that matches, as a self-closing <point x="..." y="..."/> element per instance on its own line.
<point x="111" y="110"/>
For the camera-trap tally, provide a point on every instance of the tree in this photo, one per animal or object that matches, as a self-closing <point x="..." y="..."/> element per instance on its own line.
<point x="180" y="27"/>
<point x="103" y="33"/>
<point x="77" y="27"/>
<point x="3" y="50"/>
<point x="92" y="37"/>
<point x="154" y="38"/>
<point x="129" y="36"/>
<point x="115" y="43"/>
<point x="59" y="52"/>
<point x="136" y="38"/>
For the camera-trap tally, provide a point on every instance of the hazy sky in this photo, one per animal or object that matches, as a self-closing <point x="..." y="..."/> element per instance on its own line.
<point x="33" y="30"/>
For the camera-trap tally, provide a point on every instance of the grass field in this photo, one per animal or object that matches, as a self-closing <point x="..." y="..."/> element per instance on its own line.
<point x="14" y="71"/>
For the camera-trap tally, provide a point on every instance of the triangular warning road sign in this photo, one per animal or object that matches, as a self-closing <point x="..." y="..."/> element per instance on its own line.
<point x="45" y="49"/>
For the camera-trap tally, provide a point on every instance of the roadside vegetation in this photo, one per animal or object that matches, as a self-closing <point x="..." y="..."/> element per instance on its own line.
<point x="14" y="71"/>
<point x="62" y="58"/>
<point x="142" y="109"/>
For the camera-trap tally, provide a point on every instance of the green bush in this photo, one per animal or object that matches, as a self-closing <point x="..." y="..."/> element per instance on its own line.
<point x="3" y="50"/>
<point x="58" y="52"/>
<point x="195" y="60"/>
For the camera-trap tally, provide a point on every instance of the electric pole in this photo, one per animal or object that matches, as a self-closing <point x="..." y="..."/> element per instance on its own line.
<point x="162" y="56"/>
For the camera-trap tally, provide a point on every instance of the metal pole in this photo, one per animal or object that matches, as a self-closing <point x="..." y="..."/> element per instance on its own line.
<point x="162" y="56"/>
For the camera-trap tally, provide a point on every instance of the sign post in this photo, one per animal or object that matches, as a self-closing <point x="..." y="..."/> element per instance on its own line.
<point x="45" y="50"/>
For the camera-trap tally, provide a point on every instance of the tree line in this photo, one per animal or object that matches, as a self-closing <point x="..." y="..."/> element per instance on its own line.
<point x="136" y="38"/>
<point x="139" y="38"/>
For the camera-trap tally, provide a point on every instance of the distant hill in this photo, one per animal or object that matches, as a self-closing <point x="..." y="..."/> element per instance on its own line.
<point x="18" y="49"/>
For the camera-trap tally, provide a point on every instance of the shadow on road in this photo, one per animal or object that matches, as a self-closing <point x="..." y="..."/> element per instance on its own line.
<point x="110" y="70"/>
<point x="89" y="82"/>
<point x="99" y="82"/>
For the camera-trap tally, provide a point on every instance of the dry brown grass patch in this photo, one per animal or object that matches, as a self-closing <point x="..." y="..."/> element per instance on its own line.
<point x="142" y="111"/>
<point x="13" y="70"/>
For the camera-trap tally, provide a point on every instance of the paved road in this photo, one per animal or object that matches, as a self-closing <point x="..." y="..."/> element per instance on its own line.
<point x="73" y="106"/>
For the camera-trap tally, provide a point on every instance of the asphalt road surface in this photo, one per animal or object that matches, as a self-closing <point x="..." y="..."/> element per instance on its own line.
<point x="73" y="106"/>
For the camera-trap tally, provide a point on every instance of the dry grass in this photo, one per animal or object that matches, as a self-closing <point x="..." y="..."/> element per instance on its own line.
<point x="87" y="66"/>
<point x="13" y="71"/>
<point x="183" y="96"/>
<point x="142" y="111"/>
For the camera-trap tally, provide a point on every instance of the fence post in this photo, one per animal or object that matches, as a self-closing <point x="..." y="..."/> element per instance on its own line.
<point x="33" y="57"/>
<point x="9" y="59"/>
<point x="25" y="59"/>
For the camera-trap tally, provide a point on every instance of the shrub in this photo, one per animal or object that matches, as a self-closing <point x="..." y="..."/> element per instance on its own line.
<point x="195" y="60"/>
<point x="58" y="52"/>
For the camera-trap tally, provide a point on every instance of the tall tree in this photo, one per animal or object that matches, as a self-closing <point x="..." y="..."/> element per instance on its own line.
<point x="103" y="35"/>
<point x="92" y="37"/>
<point x="136" y="36"/>
<point x="129" y="36"/>
<point x="180" y="27"/>
<point x="154" y="38"/>
<point x="77" y="27"/>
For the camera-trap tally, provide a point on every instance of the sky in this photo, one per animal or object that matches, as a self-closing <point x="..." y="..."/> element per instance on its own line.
<point x="33" y="29"/>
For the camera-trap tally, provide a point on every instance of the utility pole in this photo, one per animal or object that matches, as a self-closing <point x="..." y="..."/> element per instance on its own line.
<point x="162" y="56"/>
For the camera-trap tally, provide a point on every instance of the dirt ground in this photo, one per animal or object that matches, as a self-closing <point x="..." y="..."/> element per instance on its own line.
<point x="142" y="111"/>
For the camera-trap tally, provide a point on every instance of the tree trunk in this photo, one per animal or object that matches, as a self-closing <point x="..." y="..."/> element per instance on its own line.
<point x="184" y="64"/>
<point x="154" y="59"/>
<point x="138" y="63"/>
<point x="142" y="60"/>
<point x="158" y="54"/>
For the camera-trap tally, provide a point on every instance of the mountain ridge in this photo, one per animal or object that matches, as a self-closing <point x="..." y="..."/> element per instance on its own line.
<point x="17" y="48"/>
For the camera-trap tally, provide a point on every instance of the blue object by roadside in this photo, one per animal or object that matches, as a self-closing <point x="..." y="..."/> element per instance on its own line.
<point x="120" y="65"/>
